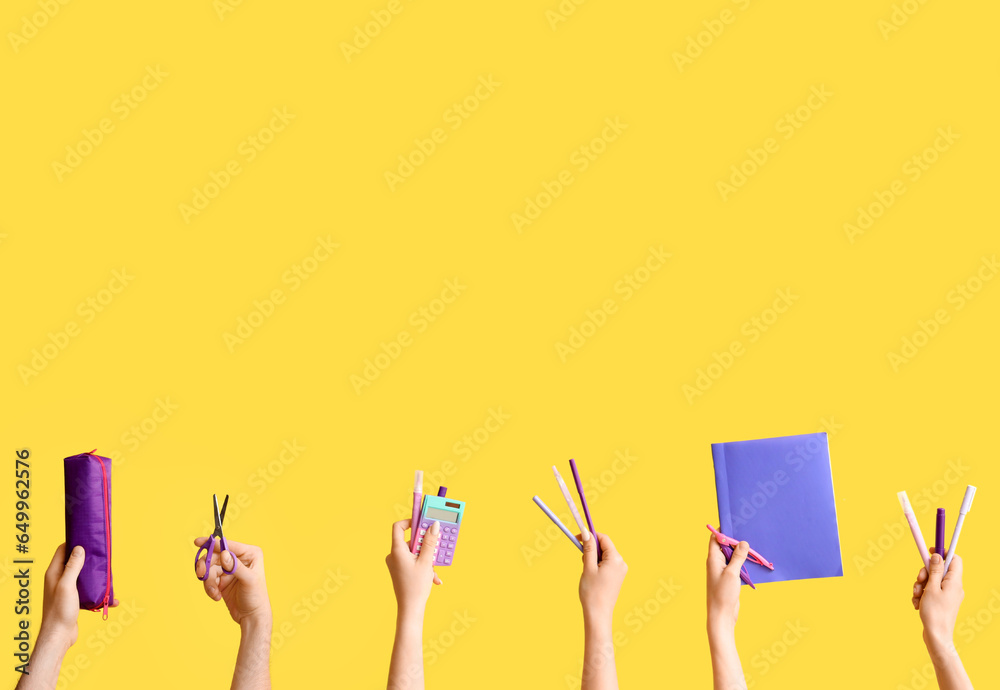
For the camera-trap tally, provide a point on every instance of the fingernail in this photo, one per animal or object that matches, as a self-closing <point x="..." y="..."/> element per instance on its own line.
<point x="436" y="527"/>
<point x="743" y="547"/>
<point x="914" y="589"/>
<point x="77" y="551"/>
<point x="585" y="536"/>
<point x="935" y="558"/>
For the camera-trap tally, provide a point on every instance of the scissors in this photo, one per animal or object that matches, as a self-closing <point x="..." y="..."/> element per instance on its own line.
<point x="209" y="546"/>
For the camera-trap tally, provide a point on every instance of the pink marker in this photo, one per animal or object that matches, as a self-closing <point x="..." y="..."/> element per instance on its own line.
<point x="914" y="528"/>
<point x="418" y="497"/>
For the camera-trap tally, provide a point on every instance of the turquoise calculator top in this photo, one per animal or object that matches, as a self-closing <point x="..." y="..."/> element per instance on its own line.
<point x="449" y="513"/>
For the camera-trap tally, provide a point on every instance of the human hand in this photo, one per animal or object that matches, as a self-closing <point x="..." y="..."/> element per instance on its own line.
<point x="61" y="600"/>
<point x="724" y="585"/>
<point x="938" y="597"/>
<point x="601" y="581"/>
<point x="245" y="589"/>
<point x="412" y="574"/>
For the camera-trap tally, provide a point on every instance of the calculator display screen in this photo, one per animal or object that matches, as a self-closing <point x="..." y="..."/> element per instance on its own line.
<point x="438" y="514"/>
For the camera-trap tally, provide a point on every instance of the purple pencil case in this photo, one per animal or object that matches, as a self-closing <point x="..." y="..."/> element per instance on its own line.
<point x="88" y="524"/>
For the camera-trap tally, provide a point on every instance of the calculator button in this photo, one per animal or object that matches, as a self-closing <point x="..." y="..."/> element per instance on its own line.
<point x="424" y="525"/>
<point x="423" y="531"/>
<point x="447" y="561"/>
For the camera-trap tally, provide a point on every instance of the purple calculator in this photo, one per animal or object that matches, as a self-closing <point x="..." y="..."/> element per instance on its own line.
<point x="449" y="513"/>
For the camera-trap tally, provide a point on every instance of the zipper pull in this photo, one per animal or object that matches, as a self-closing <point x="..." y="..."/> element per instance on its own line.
<point x="105" y="608"/>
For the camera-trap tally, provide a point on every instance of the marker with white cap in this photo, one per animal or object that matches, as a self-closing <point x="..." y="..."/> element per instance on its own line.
<point x="970" y="492"/>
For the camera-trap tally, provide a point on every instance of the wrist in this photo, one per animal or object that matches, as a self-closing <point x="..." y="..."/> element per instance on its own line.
<point x="410" y="613"/>
<point x="597" y="617"/>
<point x="59" y="637"/>
<point x="257" y="623"/>
<point x="721" y="630"/>
<point x="940" y="646"/>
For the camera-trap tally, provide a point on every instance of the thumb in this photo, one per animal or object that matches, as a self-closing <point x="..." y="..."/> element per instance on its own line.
<point x="431" y="538"/>
<point x="739" y="557"/>
<point x="74" y="564"/>
<point x="935" y="572"/>
<point x="589" y="541"/>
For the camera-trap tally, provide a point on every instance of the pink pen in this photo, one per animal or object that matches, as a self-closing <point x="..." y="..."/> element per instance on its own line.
<point x="914" y="528"/>
<point x="418" y="497"/>
<point x="729" y="541"/>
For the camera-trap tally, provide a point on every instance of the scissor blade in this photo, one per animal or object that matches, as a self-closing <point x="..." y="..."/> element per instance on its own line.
<point x="222" y="515"/>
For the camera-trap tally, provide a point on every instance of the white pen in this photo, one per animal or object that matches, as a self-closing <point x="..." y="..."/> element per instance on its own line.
<point x="572" y="506"/>
<point x="970" y="492"/>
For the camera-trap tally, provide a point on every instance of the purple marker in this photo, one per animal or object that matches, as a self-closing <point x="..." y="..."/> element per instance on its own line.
<point x="744" y="575"/>
<point x="939" y="534"/>
<point x="442" y="491"/>
<point x="583" y="501"/>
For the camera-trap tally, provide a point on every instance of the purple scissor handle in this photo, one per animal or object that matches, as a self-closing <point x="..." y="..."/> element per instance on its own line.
<point x="209" y="546"/>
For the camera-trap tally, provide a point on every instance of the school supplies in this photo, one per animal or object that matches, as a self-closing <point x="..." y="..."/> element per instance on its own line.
<point x="918" y="536"/>
<point x="569" y="502"/>
<point x="88" y="524"/>
<point x="449" y="513"/>
<point x="777" y="494"/>
<point x="726" y="544"/>
<point x="418" y="496"/>
<point x="939" y="533"/>
<point x="559" y="524"/>
<point x="209" y="546"/>
<point x="583" y="502"/>
<point x="970" y="492"/>
<point x="727" y="551"/>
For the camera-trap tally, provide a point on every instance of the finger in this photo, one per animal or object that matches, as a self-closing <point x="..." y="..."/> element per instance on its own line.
<point x="739" y="558"/>
<point x="954" y="576"/>
<point x="437" y="580"/>
<point x="589" y="552"/>
<point x="608" y="548"/>
<point x="716" y="559"/>
<point x="74" y="565"/>
<point x="212" y="583"/>
<point x="922" y="576"/>
<point x="226" y="560"/>
<point x="398" y="534"/>
<point x="935" y="572"/>
<point x="426" y="556"/>
<point x="57" y="564"/>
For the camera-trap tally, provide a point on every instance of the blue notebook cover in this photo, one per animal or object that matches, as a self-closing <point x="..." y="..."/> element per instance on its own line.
<point x="777" y="494"/>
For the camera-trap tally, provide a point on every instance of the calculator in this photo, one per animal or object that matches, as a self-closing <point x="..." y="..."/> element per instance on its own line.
<point x="449" y="513"/>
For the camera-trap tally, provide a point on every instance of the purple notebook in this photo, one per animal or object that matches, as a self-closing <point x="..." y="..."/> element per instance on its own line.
<point x="777" y="494"/>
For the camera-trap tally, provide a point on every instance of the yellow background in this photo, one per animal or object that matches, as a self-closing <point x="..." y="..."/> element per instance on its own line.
<point x="495" y="346"/>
